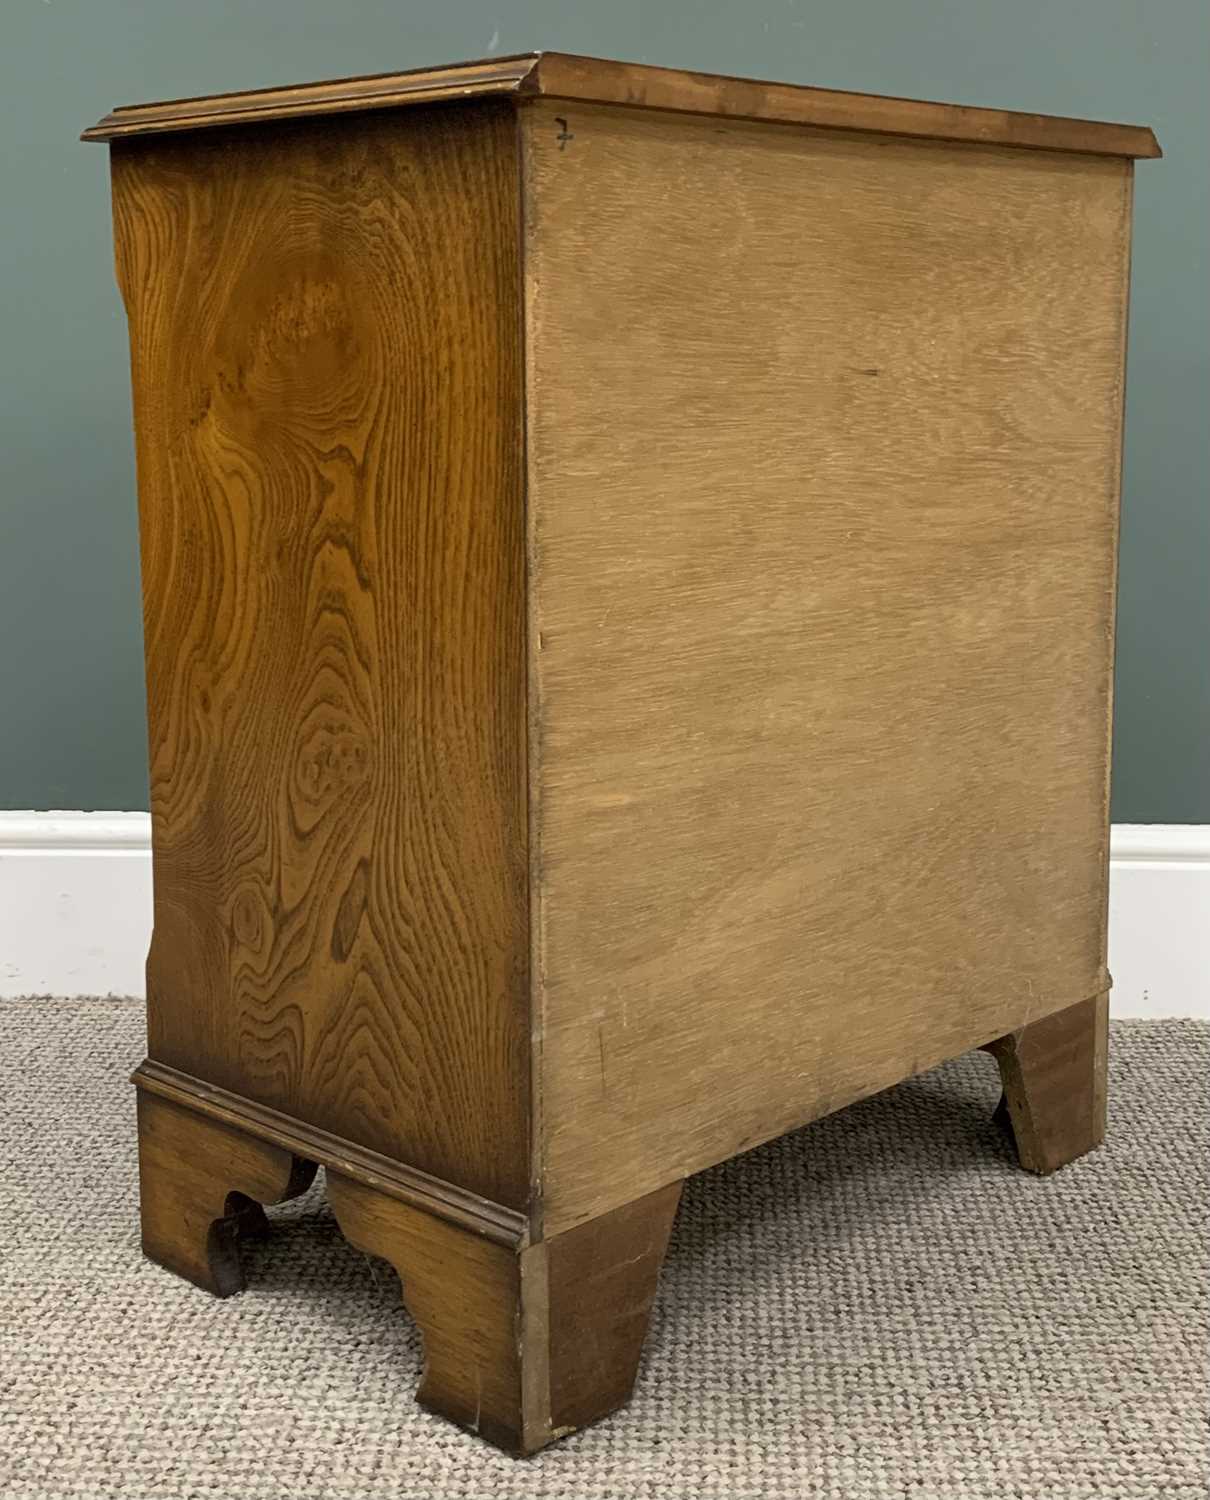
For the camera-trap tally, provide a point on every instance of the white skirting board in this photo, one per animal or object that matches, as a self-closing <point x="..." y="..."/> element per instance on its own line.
<point x="75" y="902"/>
<point x="1159" y="919"/>
<point x="75" y="910"/>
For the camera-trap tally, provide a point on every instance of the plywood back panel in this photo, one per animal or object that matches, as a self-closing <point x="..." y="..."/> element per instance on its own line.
<point x="325" y="337"/>
<point x="823" y="467"/>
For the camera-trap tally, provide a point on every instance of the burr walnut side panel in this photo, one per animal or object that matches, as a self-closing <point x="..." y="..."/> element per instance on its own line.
<point x="823" y="471"/>
<point x="325" y="343"/>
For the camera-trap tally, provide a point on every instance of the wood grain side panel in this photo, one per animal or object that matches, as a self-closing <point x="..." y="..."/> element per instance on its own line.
<point x="823" y="445"/>
<point x="326" y="357"/>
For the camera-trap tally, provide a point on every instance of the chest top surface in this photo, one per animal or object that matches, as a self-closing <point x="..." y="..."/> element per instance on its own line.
<point x="559" y="75"/>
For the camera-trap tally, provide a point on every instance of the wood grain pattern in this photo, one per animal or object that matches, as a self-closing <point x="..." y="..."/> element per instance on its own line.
<point x="325" y="352"/>
<point x="201" y="1184"/>
<point x="1054" y="1073"/>
<point x="521" y="1347"/>
<point x="823" y="447"/>
<point x="599" y="80"/>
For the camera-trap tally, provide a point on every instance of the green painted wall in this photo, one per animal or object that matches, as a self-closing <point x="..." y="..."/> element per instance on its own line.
<point x="71" y="715"/>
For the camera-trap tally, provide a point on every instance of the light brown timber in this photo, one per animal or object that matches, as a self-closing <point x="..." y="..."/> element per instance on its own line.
<point x="1054" y="1073"/>
<point x="821" y="570"/>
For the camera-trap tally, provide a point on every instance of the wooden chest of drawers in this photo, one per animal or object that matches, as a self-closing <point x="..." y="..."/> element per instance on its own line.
<point x="629" y="570"/>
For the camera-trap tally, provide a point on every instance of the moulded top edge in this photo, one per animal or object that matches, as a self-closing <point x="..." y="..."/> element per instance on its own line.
<point x="562" y="76"/>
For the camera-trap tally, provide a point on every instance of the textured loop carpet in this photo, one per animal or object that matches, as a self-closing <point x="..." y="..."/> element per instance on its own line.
<point x="880" y="1305"/>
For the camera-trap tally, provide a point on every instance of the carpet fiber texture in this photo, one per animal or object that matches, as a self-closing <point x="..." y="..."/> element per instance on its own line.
<point x="880" y="1305"/>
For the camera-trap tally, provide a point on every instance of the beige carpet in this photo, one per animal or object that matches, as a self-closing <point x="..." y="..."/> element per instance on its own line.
<point x="879" y="1306"/>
